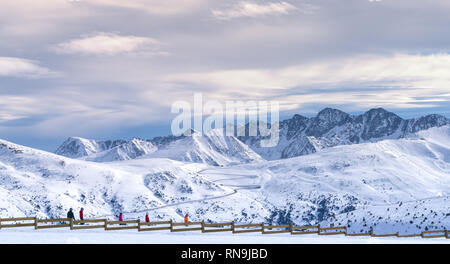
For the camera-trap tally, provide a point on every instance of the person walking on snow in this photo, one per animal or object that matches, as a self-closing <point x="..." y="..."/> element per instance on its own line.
<point x="186" y="219"/>
<point x="121" y="218"/>
<point x="147" y="219"/>
<point x="70" y="214"/>
<point x="81" y="214"/>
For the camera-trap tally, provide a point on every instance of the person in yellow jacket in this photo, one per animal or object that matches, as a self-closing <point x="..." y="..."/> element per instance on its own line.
<point x="186" y="219"/>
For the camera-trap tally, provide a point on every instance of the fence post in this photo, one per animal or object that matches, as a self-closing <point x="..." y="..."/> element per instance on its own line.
<point x="291" y="227"/>
<point x="203" y="226"/>
<point x="36" y="223"/>
<point x="0" y="223"/>
<point x="318" y="228"/>
<point x="71" y="223"/>
<point x="139" y="225"/>
<point x="232" y="227"/>
<point x="171" y="225"/>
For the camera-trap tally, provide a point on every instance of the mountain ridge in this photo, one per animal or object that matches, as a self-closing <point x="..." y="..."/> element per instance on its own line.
<point x="299" y="136"/>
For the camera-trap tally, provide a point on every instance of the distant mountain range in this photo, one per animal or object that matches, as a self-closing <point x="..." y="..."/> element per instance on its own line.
<point x="299" y="136"/>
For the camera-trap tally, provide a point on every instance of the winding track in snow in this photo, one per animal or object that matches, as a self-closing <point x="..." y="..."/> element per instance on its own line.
<point x="201" y="172"/>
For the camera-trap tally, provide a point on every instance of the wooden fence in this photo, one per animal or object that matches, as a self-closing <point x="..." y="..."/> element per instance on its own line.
<point x="215" y="227"/>
<point x="87" y="224"/>
<point x="248" y="228"/>
<point x="305" y="230"/>
<point x="61" y="222"/>
<point x="199" y="226"/>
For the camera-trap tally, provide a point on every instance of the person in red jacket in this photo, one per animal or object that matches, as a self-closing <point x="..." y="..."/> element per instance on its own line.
<point x="81" y="214"/>
<point x="121" y="218"/>
<point x="147" y="219"/>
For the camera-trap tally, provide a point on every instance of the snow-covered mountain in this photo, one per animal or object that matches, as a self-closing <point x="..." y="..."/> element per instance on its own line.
<point x="128" y="150"/>
<point x="395" y="184"/>
<point x="298" y="136"/>
<point x="76" y="147"/>
<point x="401" y="185"/>
<point x="331" y="127"/>
<point x="212" y="148"/>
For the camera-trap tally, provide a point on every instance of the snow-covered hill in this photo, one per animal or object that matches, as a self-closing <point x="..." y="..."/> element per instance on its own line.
<point x="34" y="182"/>
<point x="390" y="183"/>
<point x="330" y="186"/>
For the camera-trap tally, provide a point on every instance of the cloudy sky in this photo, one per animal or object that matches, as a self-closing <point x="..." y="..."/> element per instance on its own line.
<point x="112" y="69"/>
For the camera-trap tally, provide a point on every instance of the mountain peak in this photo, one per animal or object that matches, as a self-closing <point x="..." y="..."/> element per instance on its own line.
<point x="329" y="110"/>
<point x="379" y="111"/>
<point x="299" y="117"/>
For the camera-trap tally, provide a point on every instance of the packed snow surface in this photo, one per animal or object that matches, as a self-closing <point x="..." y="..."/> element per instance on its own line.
<point x="60" y="236"/>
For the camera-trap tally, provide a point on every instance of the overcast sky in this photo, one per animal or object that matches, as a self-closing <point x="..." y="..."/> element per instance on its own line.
<point x="112" y="69"/>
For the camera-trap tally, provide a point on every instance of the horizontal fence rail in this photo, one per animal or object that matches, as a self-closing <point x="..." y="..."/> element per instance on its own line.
<point x="383" y="235"/>
<point x="305" y="230"/>
<point x="200" y="226"/>
<point x="278" y="229"/>
<point x="81" y="224"/>
<point x="62" y="222"/>
<point x="18" y="219"/>
<point x="339" y="230"/>
<point x="440" y="233"/>
<point x="155" y="226"/>
<point x="123" y="225"/>
<point x="248" y="228"/>
<point x="214" y="227"/>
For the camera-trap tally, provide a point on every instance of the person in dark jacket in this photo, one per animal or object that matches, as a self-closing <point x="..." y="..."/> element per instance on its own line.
<point x="70" y="214"/>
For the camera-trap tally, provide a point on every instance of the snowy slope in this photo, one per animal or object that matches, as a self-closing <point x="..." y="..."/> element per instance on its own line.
<point x="364" y="183"/>
<point x="212" y="148"/>
<point x="34" y="182"/>
<point x="327" y="185"/>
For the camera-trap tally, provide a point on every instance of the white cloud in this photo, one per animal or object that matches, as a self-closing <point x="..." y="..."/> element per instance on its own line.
<point x="398" y="81"/>
<point x="252" y="9"/>
<point x="18" y="67"/>
<point x="157" y="7"/>
<point x="110" y="44"/>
